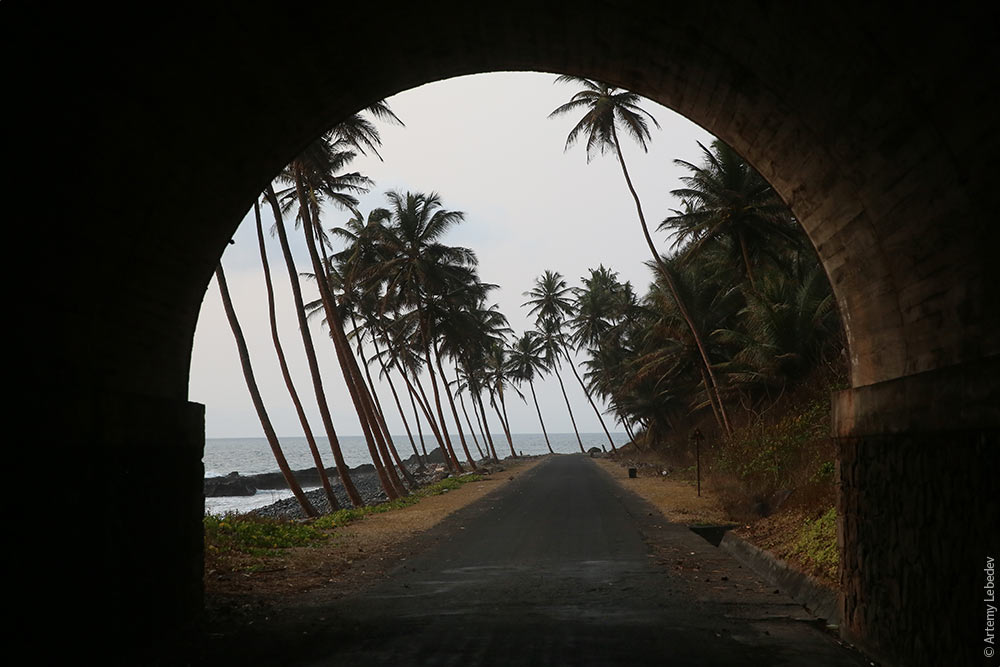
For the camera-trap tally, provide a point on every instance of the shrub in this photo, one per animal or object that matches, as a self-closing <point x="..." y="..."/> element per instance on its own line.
<point x="816" y="543"/>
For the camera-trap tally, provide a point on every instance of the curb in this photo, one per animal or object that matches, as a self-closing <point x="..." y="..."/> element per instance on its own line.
<point x="819" y="600"/>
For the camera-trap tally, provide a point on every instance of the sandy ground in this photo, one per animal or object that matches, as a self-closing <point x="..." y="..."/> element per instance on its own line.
<point x="678" y="500"/>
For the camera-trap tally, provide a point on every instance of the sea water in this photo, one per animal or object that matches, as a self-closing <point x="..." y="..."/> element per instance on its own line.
<point x="252" y="456"/>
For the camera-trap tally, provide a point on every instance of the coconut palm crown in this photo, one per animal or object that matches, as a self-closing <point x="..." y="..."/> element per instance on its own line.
<point x="607" y="109"/>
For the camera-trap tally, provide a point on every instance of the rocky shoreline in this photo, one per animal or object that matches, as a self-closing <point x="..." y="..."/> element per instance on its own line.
<point x="235" y="484"/>
<point x="364" y="477"/>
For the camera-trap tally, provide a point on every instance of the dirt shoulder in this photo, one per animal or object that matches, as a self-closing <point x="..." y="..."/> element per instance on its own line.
<point x="797" y="533"/>
<point x="677" y="499"/>
<point x="355" y="556"/>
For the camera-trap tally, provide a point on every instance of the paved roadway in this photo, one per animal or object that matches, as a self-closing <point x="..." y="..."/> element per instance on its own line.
<point x="564" y="567"/>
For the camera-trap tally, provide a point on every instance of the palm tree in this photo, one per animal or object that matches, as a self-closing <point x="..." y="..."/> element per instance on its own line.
<point x="607" y="107"/>
<point x="357" y="296"/>
<point x="786" y="327"/>
<point x="258" y="402"/>
<point x="524" y="364"/>
<point x="551" y="300"/>
<point x="727" y="198"/>
<point x="497" y="379"/>
<point x="310" y="351"/>
<point x="286" y="375"/>
<point x="553" y="349"/>
<point x="313" y="177"/>
<point x="417" y="268"/>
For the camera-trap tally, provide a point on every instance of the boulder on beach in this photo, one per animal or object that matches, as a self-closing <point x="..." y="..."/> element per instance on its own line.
<point x="232" y="484"/>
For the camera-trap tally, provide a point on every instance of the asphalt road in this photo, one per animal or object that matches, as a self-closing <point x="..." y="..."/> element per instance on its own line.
<point x="564" y="567"/>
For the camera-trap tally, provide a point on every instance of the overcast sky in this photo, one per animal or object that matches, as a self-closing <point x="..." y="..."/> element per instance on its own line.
<point x="485" y="144"/>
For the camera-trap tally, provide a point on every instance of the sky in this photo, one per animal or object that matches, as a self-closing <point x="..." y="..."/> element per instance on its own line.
<point x="485" y="144"/>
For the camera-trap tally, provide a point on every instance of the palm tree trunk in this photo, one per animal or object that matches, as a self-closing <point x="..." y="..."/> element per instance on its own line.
<point x="258" y="402"/>
<point x="485" y="425"/>
<point x="454" y="411"/>
<point x="416" y="418"/>
<point x="419" y="397"/>
<point x="586" y="392"/>
<point x="631" y="435"/>
<point x="506" y="420"/>
<point x="380" y="414"/>
<point x="310" y="350"/>
<point x="566" y="398"/>
<point x="399" y="406"/>
<point x="711" y="401"/>
<point x="475" y="440"/>
<point x="371" y="411"/>
<point x="540" y="420"/>
<point x="418" y="394"/>
<point x="343" y="351"/>
<point x="449" y="451"/>
<point x="414" y="397"/>
<point x="670" y="280"/>
<point x="503" y="425"/>
<point x="285" y="374"/>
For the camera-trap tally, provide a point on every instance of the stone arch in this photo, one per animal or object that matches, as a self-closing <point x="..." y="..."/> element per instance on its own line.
<point x="857" y="118"/>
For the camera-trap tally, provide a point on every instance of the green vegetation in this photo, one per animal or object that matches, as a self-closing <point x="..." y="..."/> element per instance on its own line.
<point x="256" y="536"/>
<point x="816" y="543"/>
<point x="766" y="455"/>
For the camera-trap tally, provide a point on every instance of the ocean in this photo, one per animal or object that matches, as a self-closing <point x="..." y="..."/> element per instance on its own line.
<point x="252" y="456"/>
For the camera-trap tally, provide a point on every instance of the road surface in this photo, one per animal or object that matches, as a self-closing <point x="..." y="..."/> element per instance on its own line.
<point x="565" y="567"/>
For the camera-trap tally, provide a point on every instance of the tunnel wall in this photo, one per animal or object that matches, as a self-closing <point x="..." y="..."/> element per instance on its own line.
<point x="918" y="511"/>
<point x="138" y="139"/>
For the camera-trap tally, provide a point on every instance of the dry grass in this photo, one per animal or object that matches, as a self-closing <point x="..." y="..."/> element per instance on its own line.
<point x="677" y="499"/>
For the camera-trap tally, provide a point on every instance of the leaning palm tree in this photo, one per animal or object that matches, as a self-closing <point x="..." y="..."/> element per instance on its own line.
<point x="310" y="350"/>
<point x="608" y="107"/>
<point x="283" y="364"/>
<point x="258" y="402"/>
<point x="525" y="364"/>
<point x="313" y="177"/>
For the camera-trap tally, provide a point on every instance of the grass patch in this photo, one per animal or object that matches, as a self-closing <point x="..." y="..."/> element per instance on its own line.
<point x="816" y="543"/>
<point x="256" y="536"/>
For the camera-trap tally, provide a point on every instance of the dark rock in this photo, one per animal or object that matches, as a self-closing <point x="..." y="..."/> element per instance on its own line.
<point x="232" y="484"/>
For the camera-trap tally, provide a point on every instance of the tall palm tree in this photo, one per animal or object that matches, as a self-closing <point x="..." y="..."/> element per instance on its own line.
<point x="551" y="300"/>
<point x="606" y="107"/>
<point x="258" y="402"/>
<point x="417" y="268"/>
<point x="497" y="380"/>
<point x="524" y="365"/>
<point x="553" y="349"/>
<point x="726" y="198"/>
<point x="310" y="350"/>
<point x="313" y="178"/>
<point x="286" y="375"/>
<point x="359" y="297"/>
